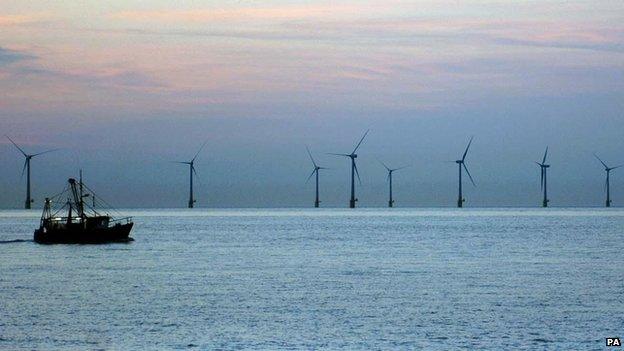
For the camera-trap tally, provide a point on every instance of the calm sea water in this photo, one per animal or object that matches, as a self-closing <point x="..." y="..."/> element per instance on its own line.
<point x="493" y="279"/>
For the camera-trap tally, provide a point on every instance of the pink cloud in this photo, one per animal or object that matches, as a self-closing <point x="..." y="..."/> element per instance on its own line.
<point x="14" y="20"/>
<point x="239" y="14"/>
<point x="527" y="29"/>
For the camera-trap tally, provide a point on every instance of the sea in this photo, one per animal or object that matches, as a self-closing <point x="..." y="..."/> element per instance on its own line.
<point x="320" y="279"/>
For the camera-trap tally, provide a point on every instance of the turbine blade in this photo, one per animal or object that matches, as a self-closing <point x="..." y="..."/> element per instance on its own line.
<point x="357" y="173"/>
<point x="346" y="155"/>
<point x="45" y="152"/>
<point x="469" y="176"/>
<point x="467" y="147"/>
<point x="19" y="148"/>
<point x="311" y="174"/>
<point x="545" y="154"/>
<point x="396" y="169"/>
<point x="198" y="151"/>
<point x="383" y="164"/>
<point x="24" y="168"/>
<point x="311" y="158"/>
<point x="618" y="166"/>
<point x="197" y="177"/>
<point x="182" y="162"/>
<point x="360" y="143"/>
<point x="601" y="161"/>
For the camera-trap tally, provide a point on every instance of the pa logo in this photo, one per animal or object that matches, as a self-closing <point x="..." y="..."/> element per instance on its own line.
<point x="614" y="342"/>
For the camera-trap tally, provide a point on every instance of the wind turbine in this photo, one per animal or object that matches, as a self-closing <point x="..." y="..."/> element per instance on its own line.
<point x="390" y="171"/>
<point x="29" y="200"/>
<point x="608" y="170"/>
<point x="315" y="171"/>
<point x="544" y="178"/>
<point x="192" y="170"/>
<point x="462" y="163"/>
<point x="354" y="170"/>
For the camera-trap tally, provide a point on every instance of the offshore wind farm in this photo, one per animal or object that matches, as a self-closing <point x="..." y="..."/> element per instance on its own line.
<point x="311" y="175"/>
<point x="354" y="172"/>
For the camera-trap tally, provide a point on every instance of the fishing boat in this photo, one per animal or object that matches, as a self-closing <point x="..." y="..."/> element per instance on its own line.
<point x="74" y="221"/>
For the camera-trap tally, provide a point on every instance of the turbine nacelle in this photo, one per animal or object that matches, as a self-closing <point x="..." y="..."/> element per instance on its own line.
<point x="607" y="168"/>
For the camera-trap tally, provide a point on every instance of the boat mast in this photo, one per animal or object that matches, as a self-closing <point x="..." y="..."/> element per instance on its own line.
<point x="47" y="213"/>
<point x="69" y="212"/>
<point x="77" y="198"/>
<point x="81" y="197"/>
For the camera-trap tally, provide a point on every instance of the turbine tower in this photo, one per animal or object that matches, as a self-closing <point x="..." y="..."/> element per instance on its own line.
<point x="462" y="163"/>
<point x="354" y="170"/>
<point x="389" y="178"/>
<point x="29" y="200"/>
<point x="544" y="178"/>
<point x="192" y="171"/>
<point x="315" y="172"/>
<point x="607" y="187"/>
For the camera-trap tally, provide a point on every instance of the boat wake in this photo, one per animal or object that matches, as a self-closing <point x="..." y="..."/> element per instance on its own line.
<point x="16" y="241"/>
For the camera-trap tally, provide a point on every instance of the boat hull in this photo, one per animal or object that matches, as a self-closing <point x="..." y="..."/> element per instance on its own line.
<point x="79" y="235"/>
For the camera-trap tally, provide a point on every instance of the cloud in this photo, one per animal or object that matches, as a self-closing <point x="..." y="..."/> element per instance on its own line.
<point x="239" y="14"/>
<point x="8" y="57"/>
<point x="358" y="53"/>
<point x="614" y="47"/>
<point x="112" y="78"/>
<point x="14" y="20"/>
<point x="357" y="25"/>
<point x="130" y="79"/>
<point x="401" y="30"/>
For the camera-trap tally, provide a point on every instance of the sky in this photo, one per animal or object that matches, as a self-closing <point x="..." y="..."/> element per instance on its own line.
<point x="125" y="87"/>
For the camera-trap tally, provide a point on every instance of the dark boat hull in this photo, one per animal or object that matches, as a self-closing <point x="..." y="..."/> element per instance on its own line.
<point x="79" y="235"/>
